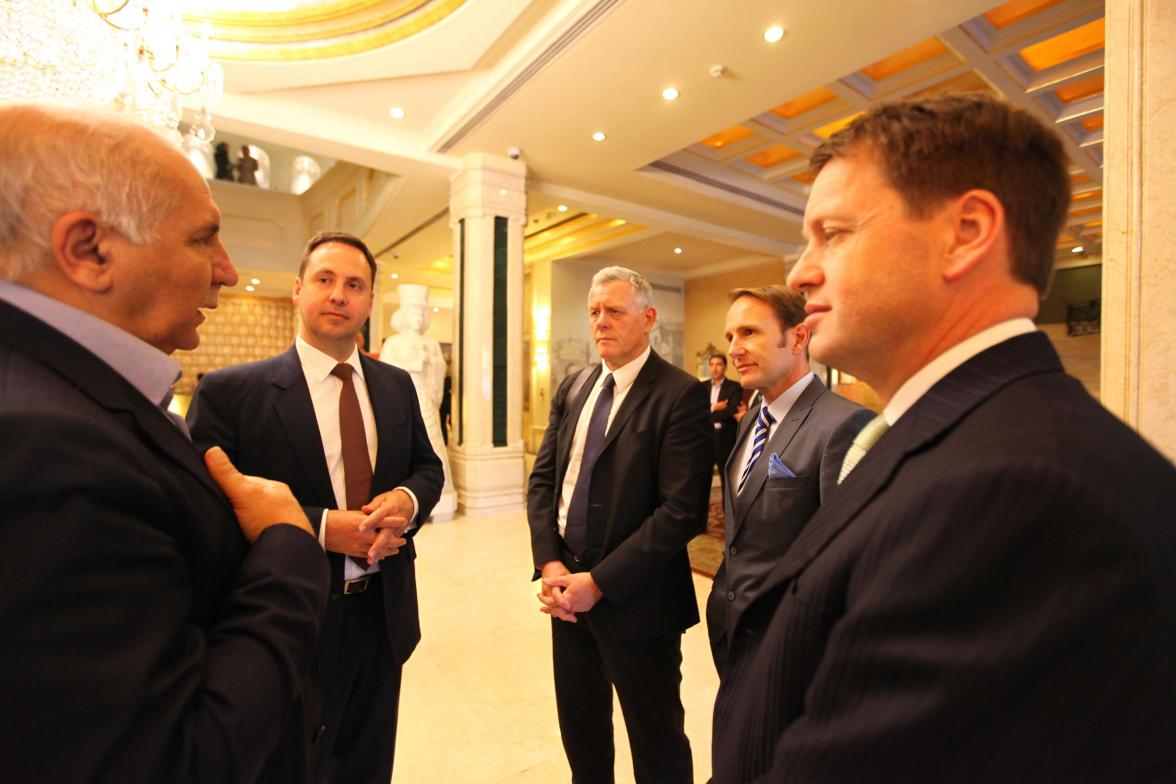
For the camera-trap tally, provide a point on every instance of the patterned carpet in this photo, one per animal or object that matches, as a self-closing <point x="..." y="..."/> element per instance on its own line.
<point x="706" y="549"/>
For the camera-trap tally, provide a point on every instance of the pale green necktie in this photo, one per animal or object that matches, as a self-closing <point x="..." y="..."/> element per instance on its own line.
<point x="862" y="443"/>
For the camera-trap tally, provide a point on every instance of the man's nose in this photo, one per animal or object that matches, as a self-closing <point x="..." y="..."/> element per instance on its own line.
<point x="804" y="273"/>
<point x="224" y="272"/>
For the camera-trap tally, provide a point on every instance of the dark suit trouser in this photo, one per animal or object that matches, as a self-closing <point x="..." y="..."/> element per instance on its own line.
<point x="647" y="676"/>
<point x="360" y="706"/>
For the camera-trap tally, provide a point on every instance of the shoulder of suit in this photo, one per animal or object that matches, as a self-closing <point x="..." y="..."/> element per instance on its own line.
<point x="260" y="369"/>
<point x="383" y="369"/>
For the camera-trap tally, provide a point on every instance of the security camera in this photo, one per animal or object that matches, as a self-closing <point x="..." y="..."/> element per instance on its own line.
<point x="515" y="153"/>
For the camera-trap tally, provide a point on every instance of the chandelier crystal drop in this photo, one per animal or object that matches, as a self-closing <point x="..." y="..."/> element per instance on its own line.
<point x="130" y="55"/>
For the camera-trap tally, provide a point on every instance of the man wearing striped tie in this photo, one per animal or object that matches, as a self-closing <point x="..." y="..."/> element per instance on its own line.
<point x="989" y="595"/>
<point x="787" y="454"/>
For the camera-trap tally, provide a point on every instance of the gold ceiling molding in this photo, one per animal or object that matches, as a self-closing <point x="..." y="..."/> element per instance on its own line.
<point x="318" y="32"/>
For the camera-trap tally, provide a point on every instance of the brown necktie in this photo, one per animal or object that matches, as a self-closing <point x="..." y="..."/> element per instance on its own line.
<point x="357" y="465"/>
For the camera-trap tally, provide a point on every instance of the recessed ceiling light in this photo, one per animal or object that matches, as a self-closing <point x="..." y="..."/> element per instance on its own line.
<point x="436" y="309"/>
<point x="502" y="191"/>
<point x="396" y="112"/>
<point x="256" y="281"/>
<point x="250" y="288"/>
<point x="1076" y="250"/>
<point x="670" y="93"/>
<point x="773" y="34"/>
<point x="678" y="251"/>
<point x="562" y="208"/>
<point x="599" y="136"/>
<point x="395" y="276"/>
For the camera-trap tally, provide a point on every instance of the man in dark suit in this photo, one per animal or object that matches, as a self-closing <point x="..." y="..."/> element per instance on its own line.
<point x="725" y="396"/>
<point x="345" y="432"/>
<point x="619" y="487"/>
<point x="989" y="596"/>
<point x="154" y="629"/>
<point x="789" y="452"/>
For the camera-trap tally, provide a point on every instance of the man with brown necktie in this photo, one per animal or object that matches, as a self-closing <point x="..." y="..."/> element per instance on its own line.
<point x="345" y="432"/>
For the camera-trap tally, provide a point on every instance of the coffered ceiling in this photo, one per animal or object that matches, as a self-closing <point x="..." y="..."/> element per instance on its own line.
<point x="718" y="172"/>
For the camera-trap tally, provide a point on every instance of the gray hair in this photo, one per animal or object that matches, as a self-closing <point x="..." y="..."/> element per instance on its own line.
<point x="640" y="285"/>
<point x="54" y="161"/>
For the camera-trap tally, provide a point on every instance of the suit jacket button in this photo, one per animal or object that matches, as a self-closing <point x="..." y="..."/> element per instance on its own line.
<point x="731" y="596"/>
<point x="734" y="550"/>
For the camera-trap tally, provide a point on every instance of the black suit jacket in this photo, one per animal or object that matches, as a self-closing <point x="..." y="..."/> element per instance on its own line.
<point x="648" y="498"/>
<point x="262" y="415"/>
<point x="989" y="596"/>
<point x="727" y="426"/>
<point x="763" y="521"/>
<point x="143" y="639"/>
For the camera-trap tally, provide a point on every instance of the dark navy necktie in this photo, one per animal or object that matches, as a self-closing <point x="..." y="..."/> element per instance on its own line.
<point x="576" y="532"/>
<point x="763" y="424"/>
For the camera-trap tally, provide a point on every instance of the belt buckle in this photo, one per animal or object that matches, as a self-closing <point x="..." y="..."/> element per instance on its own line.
<point x="358" y="585"/>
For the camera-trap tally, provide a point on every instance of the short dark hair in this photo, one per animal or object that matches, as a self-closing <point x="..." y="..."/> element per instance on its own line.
<point x="343" y="238"/>
<point x="718" y="356"/>
<point x="935" y="148"/>
<point x="788" y="305"/>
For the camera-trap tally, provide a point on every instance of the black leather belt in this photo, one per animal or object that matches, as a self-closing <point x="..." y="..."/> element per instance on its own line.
<point x="360" y="584"/>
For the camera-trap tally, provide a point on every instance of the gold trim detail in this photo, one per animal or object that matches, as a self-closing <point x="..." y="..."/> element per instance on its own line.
<point x="336" y="30"/>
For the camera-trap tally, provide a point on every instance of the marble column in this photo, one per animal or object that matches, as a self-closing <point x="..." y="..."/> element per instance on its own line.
<point x="1138" y="374"/>
<point x="487" y="213"/>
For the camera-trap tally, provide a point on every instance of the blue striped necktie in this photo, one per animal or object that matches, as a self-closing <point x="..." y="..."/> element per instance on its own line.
<point x="762" y="424"/>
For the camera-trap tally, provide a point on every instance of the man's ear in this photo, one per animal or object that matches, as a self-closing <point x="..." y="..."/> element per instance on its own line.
<point x="800" y="337"/>
<point x="77" y="241"/>
<point x="977" y="225"/>
<point x="297" y="289"/>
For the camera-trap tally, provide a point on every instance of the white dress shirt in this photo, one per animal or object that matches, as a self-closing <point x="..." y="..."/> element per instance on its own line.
<point x="623" y="378"/>
<point x="930" y="374"/>
<point x="779" y="409"/>
<point x="324" y="396"/>
<point x="714" y="395"/>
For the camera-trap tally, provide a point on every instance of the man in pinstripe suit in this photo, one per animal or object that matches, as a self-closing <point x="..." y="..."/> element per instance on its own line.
<point x="989" y="595"/>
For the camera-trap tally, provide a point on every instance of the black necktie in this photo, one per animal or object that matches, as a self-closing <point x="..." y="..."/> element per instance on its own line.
<point x="576" y="532"/>
<point x="357" y="464"/>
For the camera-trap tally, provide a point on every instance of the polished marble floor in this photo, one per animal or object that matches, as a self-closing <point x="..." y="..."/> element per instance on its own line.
<point x="477" y="704"/>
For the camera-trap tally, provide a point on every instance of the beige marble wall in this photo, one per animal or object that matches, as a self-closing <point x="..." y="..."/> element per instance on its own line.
<point x="706" y="306"/>
<point x="241" y="329"/>
<point x="1139" y="206"/>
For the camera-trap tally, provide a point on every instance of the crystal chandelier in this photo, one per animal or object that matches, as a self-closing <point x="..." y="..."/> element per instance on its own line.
<point x="132" y="55"/>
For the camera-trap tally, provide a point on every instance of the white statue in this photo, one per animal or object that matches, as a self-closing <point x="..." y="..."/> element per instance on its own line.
<point x="410" y="350"/>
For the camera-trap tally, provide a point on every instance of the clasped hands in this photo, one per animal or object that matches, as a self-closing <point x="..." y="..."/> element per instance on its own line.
<point x="375" y="531"/>
<point x="563" y="594"/>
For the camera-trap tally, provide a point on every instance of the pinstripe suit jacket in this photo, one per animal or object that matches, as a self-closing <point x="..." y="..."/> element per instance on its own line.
<point x="989" y="597"/>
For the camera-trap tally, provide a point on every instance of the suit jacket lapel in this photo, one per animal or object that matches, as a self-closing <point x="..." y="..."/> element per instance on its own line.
<point x="296" y="413"/>
<point x="938" y="410"/>
<point x="105" y="387"/>
<point x="642" y="385"/>
<point x="379" y="394"/>
<point x="567" y="427"/>
<point x="777" y="444"/>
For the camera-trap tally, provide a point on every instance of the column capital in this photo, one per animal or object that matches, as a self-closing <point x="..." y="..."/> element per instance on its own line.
<point x="488" y="184"/>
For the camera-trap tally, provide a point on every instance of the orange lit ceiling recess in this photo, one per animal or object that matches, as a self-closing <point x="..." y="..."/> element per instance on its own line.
<point x="775" y="154"/>
<point x="1015" y="10"/>
<point x="806" y="102"/>
<point x="1062" y="48"/>
<point x="907" y="58"/>
<point x="727" y="137"/>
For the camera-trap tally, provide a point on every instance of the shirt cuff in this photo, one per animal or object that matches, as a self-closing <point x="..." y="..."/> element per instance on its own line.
<point x="322" y="536"/>
<point x="416" y="508"/>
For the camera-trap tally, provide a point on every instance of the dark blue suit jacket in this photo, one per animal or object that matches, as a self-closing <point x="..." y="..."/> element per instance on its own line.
<point x="989" y="596"/>
<point x="262" y="415"/>
<point x="143" y="639"/>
